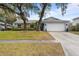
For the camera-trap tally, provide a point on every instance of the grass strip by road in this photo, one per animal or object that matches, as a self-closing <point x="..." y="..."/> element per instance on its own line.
<point x="31" y="49"/>
<point x="75" y="32"/>
<point x="28" y="35"/>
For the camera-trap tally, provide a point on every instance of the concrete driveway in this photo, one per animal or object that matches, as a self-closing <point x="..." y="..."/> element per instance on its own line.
<point x="69" y="42"/>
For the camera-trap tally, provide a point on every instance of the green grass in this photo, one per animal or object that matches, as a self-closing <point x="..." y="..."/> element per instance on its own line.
<point x="30" y="49"/>
<point x="31" y="35"/>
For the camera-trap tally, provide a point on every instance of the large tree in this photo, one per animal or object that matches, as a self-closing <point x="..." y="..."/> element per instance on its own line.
<point x="43" y="8"/>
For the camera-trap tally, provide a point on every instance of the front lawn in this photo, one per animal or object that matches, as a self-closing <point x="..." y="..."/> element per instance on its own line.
<point x="28" y="35"/>
<point x="31" y="49"/>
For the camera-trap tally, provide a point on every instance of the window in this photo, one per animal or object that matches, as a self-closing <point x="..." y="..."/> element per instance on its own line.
<point x="19" y="25"/>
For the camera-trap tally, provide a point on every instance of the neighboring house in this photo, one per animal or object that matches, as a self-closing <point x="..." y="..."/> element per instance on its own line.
<point x="2" y="25"/>
<point x="19" y="23"/>
<point x="9" y="26"/>
<point x="75" y="21"/>
<point x="54" y="24"/>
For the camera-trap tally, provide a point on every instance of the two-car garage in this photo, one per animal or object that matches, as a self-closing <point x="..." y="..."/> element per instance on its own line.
<point x="55" y="27"/>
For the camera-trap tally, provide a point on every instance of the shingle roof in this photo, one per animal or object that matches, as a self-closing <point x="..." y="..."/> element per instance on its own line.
<point x="20" y="21"/>
<point x="53" y="20"/>
<point x="32" y="21"/>
<point x="75" y="18"/>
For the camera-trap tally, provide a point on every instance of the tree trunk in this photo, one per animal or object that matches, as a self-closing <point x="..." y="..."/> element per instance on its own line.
<point x="24" y="20"/>
<point x="41" y="16"/>
<point x="25" y="28"/>
<point x="22" y="15"/>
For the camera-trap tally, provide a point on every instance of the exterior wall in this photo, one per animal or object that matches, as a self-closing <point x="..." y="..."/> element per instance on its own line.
<point x="15" y="25"/>
<point x="2" y="27"/>
<point x="75" y="22"/>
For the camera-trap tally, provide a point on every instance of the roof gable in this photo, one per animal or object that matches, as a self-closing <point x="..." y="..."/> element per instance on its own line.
<point x="52" y="20"/>
<point x="20" y="21"/>
<point x="77" y="18"/>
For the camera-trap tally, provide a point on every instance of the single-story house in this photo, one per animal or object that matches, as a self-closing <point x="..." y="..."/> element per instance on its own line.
<point x="54" y="24"/>
<point x="19" y="23"/>
<point x="75" y="21"/>
<point x="2" y="25"/>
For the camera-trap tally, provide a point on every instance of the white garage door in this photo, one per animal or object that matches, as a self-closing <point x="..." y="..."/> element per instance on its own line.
<point x="55" y="27"/>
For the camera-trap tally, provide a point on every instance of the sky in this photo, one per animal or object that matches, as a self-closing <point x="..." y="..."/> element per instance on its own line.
<point x="71" y="12"/>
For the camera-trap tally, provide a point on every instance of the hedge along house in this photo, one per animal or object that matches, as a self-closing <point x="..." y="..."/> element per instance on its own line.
<point x="54" y="24"/>
<point x="75" y="24"/>
<point x="75" y="21"/>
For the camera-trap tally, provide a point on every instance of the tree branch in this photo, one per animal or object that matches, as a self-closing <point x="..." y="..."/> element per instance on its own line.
<point x="6" y="6"/>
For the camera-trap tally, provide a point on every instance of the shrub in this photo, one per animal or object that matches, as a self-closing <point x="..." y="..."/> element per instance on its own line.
<point x="33" y="26"/>
<point x="72" y="28"/>
<point x="77" y="27"/>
